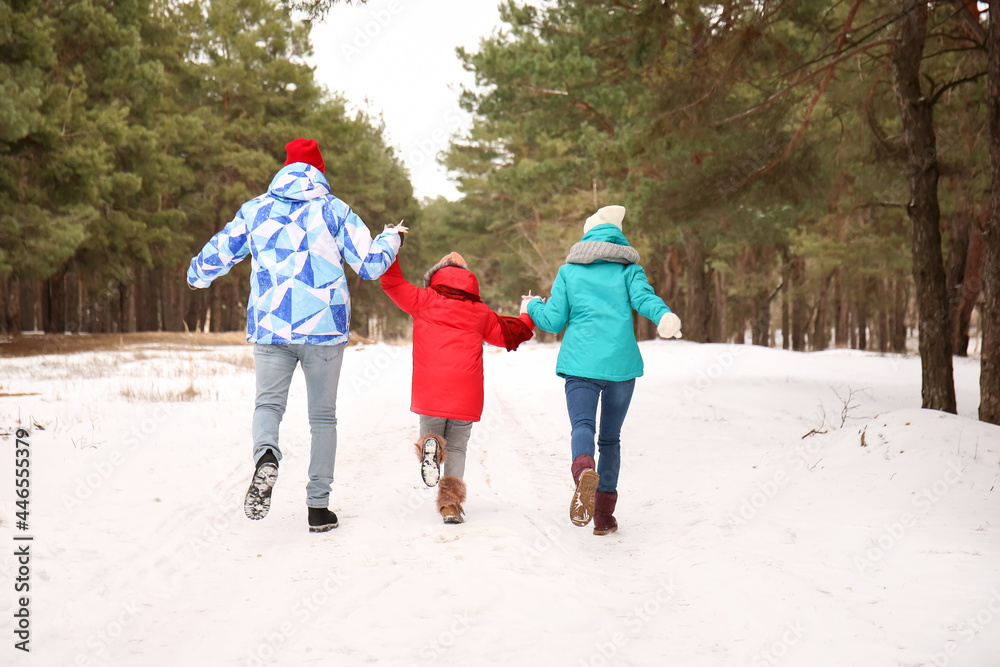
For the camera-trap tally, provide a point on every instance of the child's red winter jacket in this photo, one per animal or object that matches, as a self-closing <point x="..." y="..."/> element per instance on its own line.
<point x="449" y="327"/>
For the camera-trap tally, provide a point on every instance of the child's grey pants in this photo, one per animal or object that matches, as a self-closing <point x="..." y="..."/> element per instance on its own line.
<point x="456" y="433"/>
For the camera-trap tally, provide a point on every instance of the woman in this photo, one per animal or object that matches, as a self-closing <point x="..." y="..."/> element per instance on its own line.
<point x="592" y="297"/>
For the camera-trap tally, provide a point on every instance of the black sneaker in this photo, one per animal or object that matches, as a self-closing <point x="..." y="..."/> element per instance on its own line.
<point x="258" y="499"/>
<point x="321" y="520"/>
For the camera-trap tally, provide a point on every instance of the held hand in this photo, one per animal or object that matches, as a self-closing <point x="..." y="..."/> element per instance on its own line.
<point x="525" y="299"/>
<point x="669" y="326"/>
<point x="398" y="228"/>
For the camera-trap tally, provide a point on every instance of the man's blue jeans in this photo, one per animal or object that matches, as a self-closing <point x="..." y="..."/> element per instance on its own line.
<point x="582" y="396"/>
<point x="321" y="366"/>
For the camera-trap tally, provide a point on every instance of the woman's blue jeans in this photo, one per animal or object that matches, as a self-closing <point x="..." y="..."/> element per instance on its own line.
<point x="321" y="367"/>
<point x="582" y="397"/>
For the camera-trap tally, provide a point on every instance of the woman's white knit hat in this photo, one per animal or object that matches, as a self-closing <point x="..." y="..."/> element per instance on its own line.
<point x="609" y="215"/>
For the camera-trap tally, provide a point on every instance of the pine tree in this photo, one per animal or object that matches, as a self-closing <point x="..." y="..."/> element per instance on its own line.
<point x="989" y="376"/>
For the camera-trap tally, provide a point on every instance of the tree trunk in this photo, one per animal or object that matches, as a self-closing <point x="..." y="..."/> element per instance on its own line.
<point x="989" y="372"/>
<point x="821" y="329"/>
<point x="74" y="304"/>
<point x="143" y="298"/>
<point x="967" y="292"/>
<point x="11" y="313"/>
<point x="861" y="316"/>
<point x="98" y="316"/>
<point x="29" y="305"/>
<point x="4" y="296"/>
<point x="112" y="313"/>
<point x="786" y="281"/>
<point x="916" y="112"/>
<point x="170" y="306"/>
<point x="54" y="300"/>
<point x="698" y="306"/>
<point x="899" y="300"/>
<point x="672" y="282"/>
<point x="821" y="334"/>
<point x="643" y="328"/>
<point x="760" y="332"/>
<point x="126" y="308"/>
<point x="841" y="335"/>
<point x="224" y="290"/>
<point x="958" y="255"/>
<point x="800" y="314"/>
<point x="760" y="303"/>
<point x="214" y="308"/>
<point x="235" y="305"/>
<point x="88" y="316"/>
<point x="156" y="314"/>
<point x="721" y="318"/>
<point x="884" y="304"/>
<point x="194" y="320"/>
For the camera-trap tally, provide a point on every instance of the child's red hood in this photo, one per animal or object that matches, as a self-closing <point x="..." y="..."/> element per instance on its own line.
<point x="457" y="278"/>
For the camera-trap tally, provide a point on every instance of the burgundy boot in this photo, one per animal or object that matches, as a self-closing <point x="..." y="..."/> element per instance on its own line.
<point x="604" y="509"/>
<point x="581" y="509"/>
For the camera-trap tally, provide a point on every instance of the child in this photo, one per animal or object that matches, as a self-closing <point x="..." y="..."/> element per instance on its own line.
<point x="450" y="323"/>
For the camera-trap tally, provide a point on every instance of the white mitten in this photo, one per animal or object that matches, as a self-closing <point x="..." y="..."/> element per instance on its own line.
<point x="669" y="326"/>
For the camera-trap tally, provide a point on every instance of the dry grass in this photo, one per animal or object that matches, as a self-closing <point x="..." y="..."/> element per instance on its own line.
<point x="49" y="344"/>
<point x="243" y="363"/>
<point x="45" y="344"/>
<point x="156" y="395"/>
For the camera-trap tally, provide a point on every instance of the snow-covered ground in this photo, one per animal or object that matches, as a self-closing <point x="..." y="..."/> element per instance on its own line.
<point x="776" y="508"/>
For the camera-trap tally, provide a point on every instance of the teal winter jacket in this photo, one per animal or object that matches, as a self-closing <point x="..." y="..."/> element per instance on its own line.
<point x="594" y="302"/>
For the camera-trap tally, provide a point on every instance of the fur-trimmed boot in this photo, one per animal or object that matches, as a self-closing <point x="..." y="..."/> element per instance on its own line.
<point x="432" y="451"/>
<point x="451" y="495"/>
<point x="581" y="509"/>
<point x="604" y="509"/>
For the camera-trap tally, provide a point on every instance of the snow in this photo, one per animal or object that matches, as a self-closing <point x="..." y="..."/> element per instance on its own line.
<point x="743" y="540"/>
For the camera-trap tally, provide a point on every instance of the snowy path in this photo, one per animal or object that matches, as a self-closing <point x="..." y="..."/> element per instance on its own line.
<point x="741" y="542"/>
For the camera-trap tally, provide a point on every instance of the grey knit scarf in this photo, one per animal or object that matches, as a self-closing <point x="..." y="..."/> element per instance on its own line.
<point x="586" y="252"/>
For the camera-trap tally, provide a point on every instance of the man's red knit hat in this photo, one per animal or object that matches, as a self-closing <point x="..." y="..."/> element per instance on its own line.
<point x="305" y="150"/>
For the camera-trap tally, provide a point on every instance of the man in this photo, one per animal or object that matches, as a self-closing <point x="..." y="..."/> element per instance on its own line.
<point x="299" y="312"/>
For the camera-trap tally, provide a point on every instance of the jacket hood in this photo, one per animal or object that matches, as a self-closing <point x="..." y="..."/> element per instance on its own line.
<point x="455" y="277"/>
<point x="299" y="182"/>
<point x="606" y="233"/>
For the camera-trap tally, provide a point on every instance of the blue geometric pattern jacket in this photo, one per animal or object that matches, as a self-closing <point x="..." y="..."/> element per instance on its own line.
<point x="299" y="236"/>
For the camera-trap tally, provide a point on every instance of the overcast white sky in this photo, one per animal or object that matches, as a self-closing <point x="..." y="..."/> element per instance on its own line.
<point x="396" y="58"/>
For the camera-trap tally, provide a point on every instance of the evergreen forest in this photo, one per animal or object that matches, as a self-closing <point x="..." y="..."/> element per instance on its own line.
<point x="802" y="174"/>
